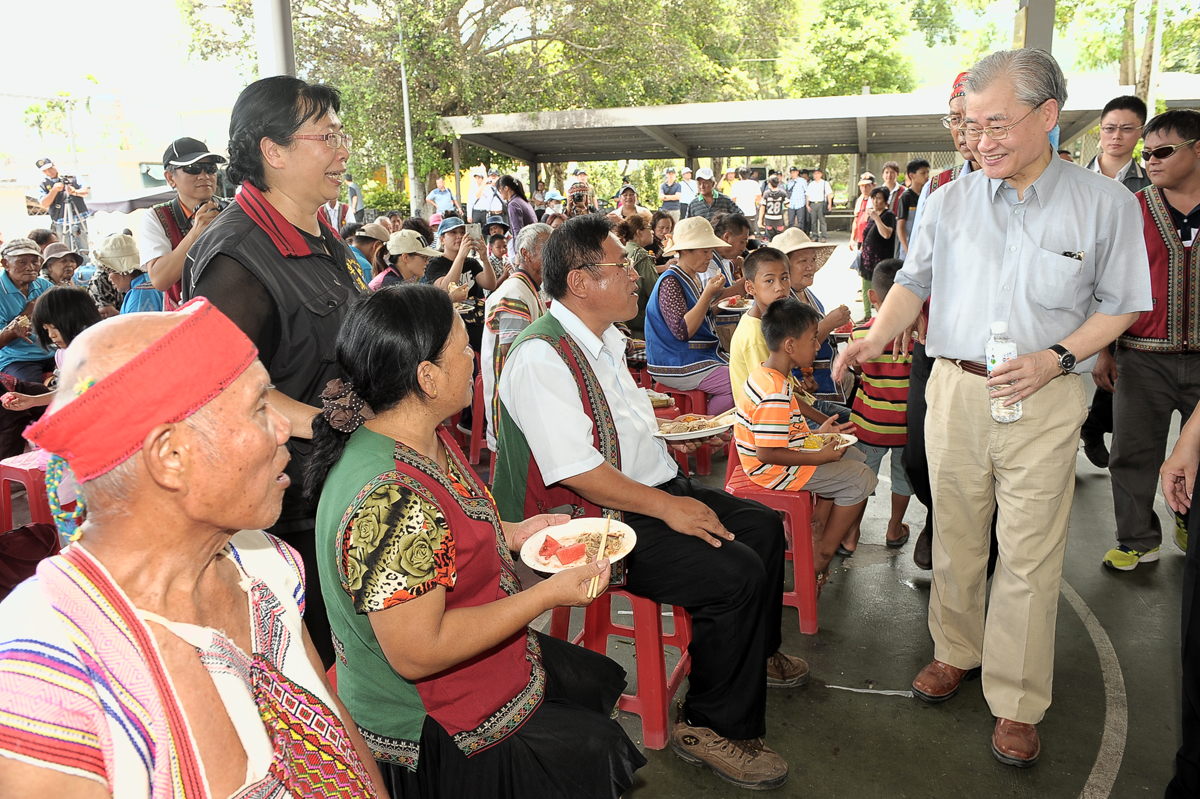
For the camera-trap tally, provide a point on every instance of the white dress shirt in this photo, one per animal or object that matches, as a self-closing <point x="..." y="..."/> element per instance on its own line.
<point x="1043" y="265"/>
<point x="540" y="394"/>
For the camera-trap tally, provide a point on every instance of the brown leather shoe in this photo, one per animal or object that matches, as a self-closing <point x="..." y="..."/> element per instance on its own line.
<point x="1016" y="744"/>
<point x="786" y="671"/>
<point x="746" y="764"/>
<point x="940" y="681"/>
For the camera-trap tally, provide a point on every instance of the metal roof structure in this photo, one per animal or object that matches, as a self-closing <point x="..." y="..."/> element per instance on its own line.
<point x="867" y="123"/>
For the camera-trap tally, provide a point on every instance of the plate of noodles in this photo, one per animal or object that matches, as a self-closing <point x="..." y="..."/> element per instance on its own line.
<point x="815" y="441"/>
<point x="691" y="426"/>
<point x="576" y="543"/>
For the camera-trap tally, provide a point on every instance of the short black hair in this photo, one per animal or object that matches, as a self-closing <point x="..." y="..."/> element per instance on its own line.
<point x="732" y="222"/>
<point x="67" y="308"/>
<point x="573" y="245"/>
<point x="884" y="276"/>
<point x="395" y="214"/>
<point x="787" y="318"/>
<point x="1183" y="121"/>
<point x="420" y="225"/>
<point x="497" y="237"/>
<point x="805" y="172"/>
<point x="41" y="236"/>
<point x="349" y="230"/>
<point x="272" y="108"/>
<point x="880" y="190"/>
<point x="349" y="177"/>
<point x="760" y="256"/>
<point x="1126" y="102"/>
<point x="743" y="173"/>
<point x="915" y="166"/>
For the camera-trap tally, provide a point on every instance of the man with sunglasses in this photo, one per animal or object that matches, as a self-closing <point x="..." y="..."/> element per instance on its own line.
<point x="1053" y="252"/>
<point x="171" y="228"/>
<point x="1158" y="358"/>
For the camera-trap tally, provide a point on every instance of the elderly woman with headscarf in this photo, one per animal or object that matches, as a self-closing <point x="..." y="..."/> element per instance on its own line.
<point x="437" y="662"/>
<point x="164" y="653"/>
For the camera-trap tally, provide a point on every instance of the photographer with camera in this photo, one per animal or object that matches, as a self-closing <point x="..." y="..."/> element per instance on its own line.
<point x="170" y="229"/>
<point x="67" y="220"/>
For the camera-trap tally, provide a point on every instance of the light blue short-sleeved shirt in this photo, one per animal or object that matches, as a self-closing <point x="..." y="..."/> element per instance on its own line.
<point x="1043" y="265"/>
<point x="12" y="305"/>
<point x="142" y="296"/>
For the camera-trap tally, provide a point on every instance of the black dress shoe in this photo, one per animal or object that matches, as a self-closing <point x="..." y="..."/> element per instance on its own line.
<point x="923" y="549"/>
<point x="1096" y="452"/>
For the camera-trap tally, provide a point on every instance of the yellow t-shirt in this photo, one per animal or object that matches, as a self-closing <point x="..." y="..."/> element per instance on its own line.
<point x="747" y="351"/>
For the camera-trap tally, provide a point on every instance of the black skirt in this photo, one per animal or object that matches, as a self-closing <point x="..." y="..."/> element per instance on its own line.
<point x="569" y="747"/>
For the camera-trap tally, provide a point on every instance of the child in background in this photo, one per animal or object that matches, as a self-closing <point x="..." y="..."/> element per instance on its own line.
<point x="770" y="428"/>
<point x="767" y="278"/>
<point x="59" y="315"/>
<point x="880" y="411"/>
<point x="498" y="256"/>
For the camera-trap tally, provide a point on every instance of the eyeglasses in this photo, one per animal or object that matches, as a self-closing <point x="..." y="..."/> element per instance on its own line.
<point x="334" y="140"/>
<point x="1124" y="130"/>
<point x="1166" y="151"/>
<point x="208" y="168"/>
<point x="997" y="132"/>
<point x="952" y="121"/>
<point x="625" y="264"/>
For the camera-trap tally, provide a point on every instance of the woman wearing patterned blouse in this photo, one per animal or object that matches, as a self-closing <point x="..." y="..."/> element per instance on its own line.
<point x="450" y="689"/>
<point x="682" y="348"/>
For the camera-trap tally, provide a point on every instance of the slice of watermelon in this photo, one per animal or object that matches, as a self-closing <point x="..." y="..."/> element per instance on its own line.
<point x="568" y="555"/>
<point x="549" y="547"/>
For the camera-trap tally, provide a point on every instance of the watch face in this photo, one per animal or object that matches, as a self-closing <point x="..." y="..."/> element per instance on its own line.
<point x="1067" y="361"/>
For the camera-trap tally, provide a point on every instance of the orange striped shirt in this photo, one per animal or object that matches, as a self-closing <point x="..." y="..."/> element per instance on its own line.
<point x="768" y="415"/>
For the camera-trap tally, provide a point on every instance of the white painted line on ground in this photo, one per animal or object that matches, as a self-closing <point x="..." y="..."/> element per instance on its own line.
<point x="905" y="694"/>
<point x="1116" y="710"/>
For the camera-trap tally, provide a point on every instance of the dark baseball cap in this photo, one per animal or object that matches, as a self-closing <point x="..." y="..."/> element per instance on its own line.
<point x="44" y="163"/>
<point x="579" y="172"/>
<point x="188" y="151"/>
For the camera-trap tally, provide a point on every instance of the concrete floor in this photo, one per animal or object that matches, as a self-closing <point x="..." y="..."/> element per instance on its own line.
<point x="873" y="637"/>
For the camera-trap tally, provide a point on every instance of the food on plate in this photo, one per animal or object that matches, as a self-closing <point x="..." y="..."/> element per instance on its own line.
<point x="549" y="547"/>
<point x="660" y="400"/>
<point x="576" y="550"/>
<point x="568" y="555"/>
<point x="691" y="423"/>
<point x="738" y="302"/>
<point x="820" y="440"/>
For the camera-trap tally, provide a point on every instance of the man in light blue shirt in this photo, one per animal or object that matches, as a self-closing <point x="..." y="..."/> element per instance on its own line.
<point x="441" y="198"/>
<point x="798" y="204"/>
<point x="20" y="284"/>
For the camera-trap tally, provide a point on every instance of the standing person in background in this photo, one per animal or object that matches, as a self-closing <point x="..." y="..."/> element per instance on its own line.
<point x="1010" y="227"/>
<point x="772" y="214"/>
<point x="670" y="194"/>
<point x="628" y="204"/>
<point x="1121" y="125"/>
<point x="797" y="204"/>
<point x="170" y="229"/>
<point x="637" y="237"/>
<point x="581" y="179"/>
<point x="891" y="172"/>
<point x="54" y="192"/>
<point x="747" y="195"/>
<point x="877" y="243"/>
<point x="818" y="199"/>
<point x="917" y="173"/>
<point x="489" y="198"/>
<point x="538" y="200"/>
<point x="687" y="191"/>
<point x="334" y="213"/>
<point x="727" y="182"/>
<point x="862" y="207"/>
<point x="368" y="245"/>
<point x="1066" y="155"/>
<point x="709" y="202"/>
<point x="476" y="213"/>
<point x="265" y="258"/>
<point x="1158" y="358"/>
<point x="456" y="266"/>
<point x="441" y="199"/>
<point x="520" y="211"/>
<point x="354" y="200"/>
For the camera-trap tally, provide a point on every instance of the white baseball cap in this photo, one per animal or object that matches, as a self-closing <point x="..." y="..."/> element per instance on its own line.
<point x="704" y="173"/>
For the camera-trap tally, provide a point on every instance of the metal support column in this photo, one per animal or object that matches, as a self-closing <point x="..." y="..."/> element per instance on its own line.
<point x="457" y="171"/>
<point x="273" y="36"/>
<point x="1034" y="25"/>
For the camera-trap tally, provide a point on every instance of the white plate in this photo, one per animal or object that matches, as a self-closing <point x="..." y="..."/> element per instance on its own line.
<point x="725" y="306"/>
<point x="463" y="307"/>
<point x="847" y="440"/>
<point x="565" y="534"/>
<point x="693" y="434"/>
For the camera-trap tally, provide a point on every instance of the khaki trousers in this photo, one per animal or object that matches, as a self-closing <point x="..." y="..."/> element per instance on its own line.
<point x="1027" y="471"/>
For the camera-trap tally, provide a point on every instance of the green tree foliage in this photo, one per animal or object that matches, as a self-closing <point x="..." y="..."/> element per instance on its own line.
<point x="1181" y="45"/>
<point x="846" y="44"/>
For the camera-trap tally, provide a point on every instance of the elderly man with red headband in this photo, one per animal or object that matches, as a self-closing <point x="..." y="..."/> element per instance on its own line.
<point x="163" y="653"/>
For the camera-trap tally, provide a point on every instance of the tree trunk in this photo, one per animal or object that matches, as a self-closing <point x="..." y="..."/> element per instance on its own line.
<point x="1143" y="78"/>
<point x="718" y="168"/>
<point x="1128" y="75"/>
<point x="556" y="174"/>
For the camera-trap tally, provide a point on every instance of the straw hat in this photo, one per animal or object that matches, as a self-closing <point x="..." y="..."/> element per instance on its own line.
<point x="118" y="253"/>
<point x="693" y="233"/>
<point x="794" y="239"/>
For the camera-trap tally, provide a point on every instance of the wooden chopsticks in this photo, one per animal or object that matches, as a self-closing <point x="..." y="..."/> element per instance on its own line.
<point x="594" y="586"/>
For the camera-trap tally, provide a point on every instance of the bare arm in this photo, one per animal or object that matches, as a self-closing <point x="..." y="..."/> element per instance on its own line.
<point x="883" y="229"/>
<point x="48" y="200"/>
<point x="784" y="456"/>
<point x="299" y="414"/>
<point x="166" y="270"/>
<point x="902" y="232"/>
<point x="898" y="312"/>
<point x="454" y="275"/>
<point x="19" y="780"/>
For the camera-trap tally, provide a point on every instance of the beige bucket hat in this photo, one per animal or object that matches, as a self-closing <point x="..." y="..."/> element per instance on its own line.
<point x="693" y="233"/>
<point x="794" y="239"/>
<point x="118" y="253"/>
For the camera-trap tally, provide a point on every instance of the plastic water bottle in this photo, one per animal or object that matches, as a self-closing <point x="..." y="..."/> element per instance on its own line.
<point x="1001" y="348"/>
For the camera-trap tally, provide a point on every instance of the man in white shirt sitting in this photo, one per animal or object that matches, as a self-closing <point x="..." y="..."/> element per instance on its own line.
<point x="574" y="429"/>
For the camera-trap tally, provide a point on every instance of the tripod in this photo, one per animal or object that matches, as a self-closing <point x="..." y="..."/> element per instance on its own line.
<point x="72" y="229"/>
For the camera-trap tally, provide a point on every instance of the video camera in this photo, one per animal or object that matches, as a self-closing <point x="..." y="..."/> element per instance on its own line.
<point x="222" y="204"/>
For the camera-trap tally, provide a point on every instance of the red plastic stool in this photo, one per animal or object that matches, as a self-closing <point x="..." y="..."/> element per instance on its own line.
<point x="797" y="509"/>
<point x="478" y="424"/>
<point x="655" y="689"/>
<point x="694" y="401"/>
<point x="28" y="469"/>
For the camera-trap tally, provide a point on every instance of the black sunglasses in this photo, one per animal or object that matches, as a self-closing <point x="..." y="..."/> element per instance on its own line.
<point x="195" y="169"/>
<point x="1166" y="151"/>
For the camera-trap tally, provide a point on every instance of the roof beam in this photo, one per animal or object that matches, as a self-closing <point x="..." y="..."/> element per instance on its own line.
<point x="1069" y="134"/>
<point x="665" y="139"/>
<point x="497" y="146"/>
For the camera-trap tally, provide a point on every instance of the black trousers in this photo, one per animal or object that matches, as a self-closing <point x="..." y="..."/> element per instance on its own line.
<point x="1100" y="416"/>
<point x="914" y="458"/>
<point x="13" y="423"/>
<point x="1186" y="782"/>
<point x="734" y="594"/>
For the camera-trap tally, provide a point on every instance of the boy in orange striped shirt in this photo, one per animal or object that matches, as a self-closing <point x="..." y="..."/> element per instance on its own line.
<point x="769" y="429"/>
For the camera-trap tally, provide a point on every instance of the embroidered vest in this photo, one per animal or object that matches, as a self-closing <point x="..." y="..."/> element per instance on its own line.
<point x="177" y="225"/>
<point x="667" y="356"/>
<point x="1173" y="324"/>
<point x="517" y="485"/>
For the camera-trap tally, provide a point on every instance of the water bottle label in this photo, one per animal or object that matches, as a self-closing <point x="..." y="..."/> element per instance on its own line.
<point x="999" y="353"/>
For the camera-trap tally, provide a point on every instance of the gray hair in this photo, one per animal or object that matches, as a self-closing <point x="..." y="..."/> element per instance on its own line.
<point x="1034" y="74"/>
<point x="532" y="238"/>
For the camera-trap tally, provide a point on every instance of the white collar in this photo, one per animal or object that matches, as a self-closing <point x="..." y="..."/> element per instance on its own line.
<point x="613" y="339"/>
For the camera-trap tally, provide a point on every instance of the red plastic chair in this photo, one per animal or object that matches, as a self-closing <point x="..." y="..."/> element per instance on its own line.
<point x="694" y="401"/>
<point x="478" y="426"/>
<point x="797" y="509"/>
<point x="655" y="688"/>
<point x="28" y="469"/>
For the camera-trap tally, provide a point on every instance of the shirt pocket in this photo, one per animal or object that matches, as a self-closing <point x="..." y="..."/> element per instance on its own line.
<point x="1054" y="283"/>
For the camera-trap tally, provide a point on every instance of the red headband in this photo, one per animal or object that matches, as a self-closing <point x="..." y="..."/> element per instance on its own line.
<point x="166" y="383"/>
<point x="960" y="85"/>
